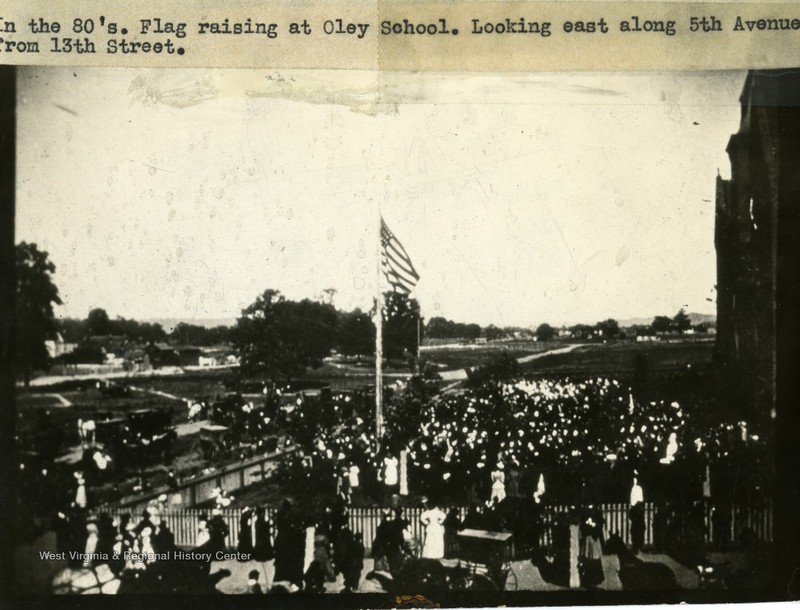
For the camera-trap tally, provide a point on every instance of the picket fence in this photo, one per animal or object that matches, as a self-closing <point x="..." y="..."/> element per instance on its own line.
<point x="184" y="522"/>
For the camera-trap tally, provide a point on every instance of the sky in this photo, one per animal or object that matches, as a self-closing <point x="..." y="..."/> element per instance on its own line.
<point x="520" y="198"/>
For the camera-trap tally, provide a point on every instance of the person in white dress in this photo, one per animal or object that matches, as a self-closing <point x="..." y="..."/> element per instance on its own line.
<point x="433" y="520"/>
<point x="80" y="495"/>
<point x="498" y="483"/>
<point x="390" y="477"/>
<point x="672" y="449"/>
<point x="353" y="478"/>
<point x="203" y="535"/>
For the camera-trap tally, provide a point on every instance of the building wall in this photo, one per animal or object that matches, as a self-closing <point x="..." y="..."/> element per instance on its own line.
<point x="763" y="156"/>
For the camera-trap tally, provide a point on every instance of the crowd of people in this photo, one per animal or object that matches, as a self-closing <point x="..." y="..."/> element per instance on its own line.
<point x="508" y="450"/>
<point x="586" y="438"/>
<point x="137" y="552"/>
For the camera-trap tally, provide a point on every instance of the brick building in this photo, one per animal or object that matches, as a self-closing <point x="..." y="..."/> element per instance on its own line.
<point x="756" y="223"/>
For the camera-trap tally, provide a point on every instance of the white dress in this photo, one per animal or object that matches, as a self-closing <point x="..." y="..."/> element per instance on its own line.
<point x="498" y="485"/>
<point x="433" y="520"/>
<point x="390" y="470"/>
<point x="353" y="476"/>
<point x="80" y="495"/>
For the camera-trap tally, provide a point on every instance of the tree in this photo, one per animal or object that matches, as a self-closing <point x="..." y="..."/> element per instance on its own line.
<point x="492" y="333"/>
<point x="35" y="295"/>
<point x="355" y="334"/>
<point x="87" y="353"/>
<point x="72" y="329"/>
<point x="661" y="324"/>
<point x="98" y="323"/>
<point x="330" y="293"/>
<point x="439" y="328"/>
<point x="545" y="332"/>
<point x="400" y="318"/>
<point x="146" y="332"/>
<point x="194" y="334"/>
<point x="682" y="321"/>
<point x="582" y="331"/>
<point x="278" y="337"/>
<point x="471" y="331"/>
<point x="609" y="328"/>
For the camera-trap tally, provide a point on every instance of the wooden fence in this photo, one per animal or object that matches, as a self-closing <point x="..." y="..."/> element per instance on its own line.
<point x="198" y="489"/>
<point x="184" y="522"/>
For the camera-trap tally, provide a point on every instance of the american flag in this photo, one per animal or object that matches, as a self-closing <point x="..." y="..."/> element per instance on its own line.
<point x="397" y="267"/>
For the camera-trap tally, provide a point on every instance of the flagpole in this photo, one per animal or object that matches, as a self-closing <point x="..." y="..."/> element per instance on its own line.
<point x="419" y="336"/>
<point x="378" y="339"/>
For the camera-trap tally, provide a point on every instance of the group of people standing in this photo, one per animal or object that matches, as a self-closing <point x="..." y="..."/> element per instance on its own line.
<point x="308" y="552"/>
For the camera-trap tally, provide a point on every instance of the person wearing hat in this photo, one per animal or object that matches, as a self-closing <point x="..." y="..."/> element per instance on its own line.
<point x="382" y="542"/>
<point x="147" y="519"/>
<point x="163" y="538"/>
<point x="354" y="563"/>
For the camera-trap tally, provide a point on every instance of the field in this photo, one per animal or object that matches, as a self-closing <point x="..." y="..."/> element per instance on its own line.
<point x="447" y="358"/>
<point x="615" y="358"/>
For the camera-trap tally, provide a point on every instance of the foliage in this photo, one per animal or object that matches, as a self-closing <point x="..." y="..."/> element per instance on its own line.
<point x="355" y="335"/>
<point x="194" y="334"/>
<point x="492" y="333"/>
<point x="35" y="296"/>
<point x="401" y="315"/>
<point x="145" y="332"/>
<point x="681" y="321"/>
<point x="72" y="330"/>
<point x="87" y="353"/>
<point x="545" y="332"/>
<point x="278" y="337"/>
<point x="582" y="331"/>
<point x="661" y="324"/>
<point x="442" y="328"/>
<point x="98" y="322"/>
<point x="608" y="328"/>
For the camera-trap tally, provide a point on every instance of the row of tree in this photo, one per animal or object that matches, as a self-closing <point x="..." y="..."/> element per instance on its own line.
<point x="610" y="329"/>
<point x="274" y="335"/>
<point x="278" y="337"/>
<point x="99" y="324"/>
<point x="679" y="323"/>
<point x="442" y="328"/>
<point x="607" y="329"/>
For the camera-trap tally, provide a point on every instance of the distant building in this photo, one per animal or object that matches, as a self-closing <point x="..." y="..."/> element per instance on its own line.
<point x="58" y="347"/>
<point x="216" y="356"/>
<point x="162" y="354"/>
<point x="189" y="355"/>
